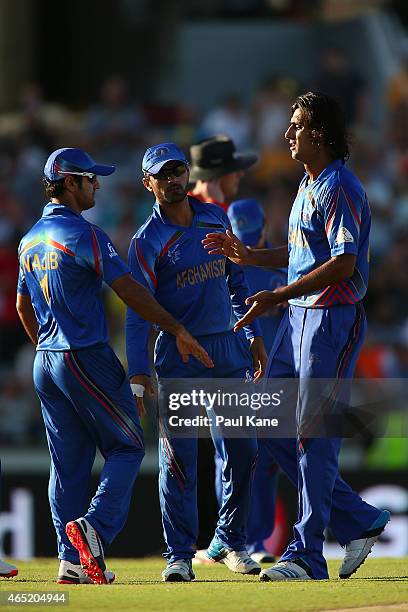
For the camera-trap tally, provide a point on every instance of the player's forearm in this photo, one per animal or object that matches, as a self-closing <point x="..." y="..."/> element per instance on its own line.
<point x="137" y="344"/>
<point x="27" y="317"/>
<point x="333" y="271"/>
<point x="269" y="258"/>
<point x="143" y="303"/>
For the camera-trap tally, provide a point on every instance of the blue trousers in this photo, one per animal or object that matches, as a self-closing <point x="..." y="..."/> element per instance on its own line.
<point x="178" y="456"/>
<point x="261" y="519"/>
<point x="318" y="344"/>
<point x="86" y="404"/>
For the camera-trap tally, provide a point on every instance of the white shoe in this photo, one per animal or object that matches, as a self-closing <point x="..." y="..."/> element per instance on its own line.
<point x="7" y="570"/>
<point x="178" y="571"/>
<point x="86" y="540"/>
<point x="70" y="573"/>
<point x="240" y="562"/>
<point x="285" y="570"/>
<point x="263" y="556"/>
<point x="201" y="558"/>
<point x="357" y="551"/>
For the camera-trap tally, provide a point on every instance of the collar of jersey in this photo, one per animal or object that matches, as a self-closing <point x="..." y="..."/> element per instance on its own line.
<point x="51" y="207"/>
<point x="335" y="165"/>
<point x="195" y="205"/>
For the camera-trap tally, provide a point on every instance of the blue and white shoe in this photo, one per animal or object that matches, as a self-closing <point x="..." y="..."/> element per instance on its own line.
<point x="178" y="571"/>
<point x="295" y="569"/>
<point x="237" y="561"/>
<point x="357" y="551"/>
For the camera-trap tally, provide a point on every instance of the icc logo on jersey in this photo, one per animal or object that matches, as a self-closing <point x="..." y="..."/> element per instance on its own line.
<point x="112" y="252"/>
<point x="174" y="254"/>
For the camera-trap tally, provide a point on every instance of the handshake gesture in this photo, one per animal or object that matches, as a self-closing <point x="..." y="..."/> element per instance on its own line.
<point x="229" y="245"/>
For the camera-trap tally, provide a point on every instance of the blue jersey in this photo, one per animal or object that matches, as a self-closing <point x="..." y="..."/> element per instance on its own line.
<point x="330" y="217"/>
<point x="202" y="291"/>
<point x="63" y="261"/>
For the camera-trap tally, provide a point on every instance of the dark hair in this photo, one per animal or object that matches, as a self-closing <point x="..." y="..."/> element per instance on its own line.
<point x="324" y="117"/>
<point x="54" y="189"/>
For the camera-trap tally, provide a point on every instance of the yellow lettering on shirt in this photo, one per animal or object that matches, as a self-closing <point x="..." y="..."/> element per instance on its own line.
<point x="200" y="274"/>
<point x="25" y="262"/>
<point x="48" y="262"/>
<point x="45" y="288"/>
<point x="51" y="260"/>
<point x="36" y="262"/>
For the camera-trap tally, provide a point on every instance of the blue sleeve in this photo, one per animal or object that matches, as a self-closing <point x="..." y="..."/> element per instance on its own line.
<point x="21" y="284"/>
<point x="239" y="292"/>
<point x="342" y="218"/>
<point x="95" y="251"/>
<point x="141" y="260"/>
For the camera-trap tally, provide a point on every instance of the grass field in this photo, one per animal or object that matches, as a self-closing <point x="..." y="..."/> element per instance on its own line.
<point x="379" y="582"/>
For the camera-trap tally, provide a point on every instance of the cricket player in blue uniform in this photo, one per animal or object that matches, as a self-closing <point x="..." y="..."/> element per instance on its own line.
<point x="320" y="335"/>
<point x="248" y="224"/>
<point x="202" y="291"/>
<point x="85" y="396"/>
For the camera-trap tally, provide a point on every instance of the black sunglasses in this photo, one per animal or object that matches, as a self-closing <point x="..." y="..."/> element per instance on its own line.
<point x="167" y="173"/>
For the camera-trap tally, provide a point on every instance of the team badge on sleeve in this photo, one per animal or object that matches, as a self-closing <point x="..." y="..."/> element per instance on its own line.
<point x="343" y="235"/>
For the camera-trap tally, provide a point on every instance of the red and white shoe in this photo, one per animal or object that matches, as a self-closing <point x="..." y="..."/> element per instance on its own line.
<point x="70" y="573"/>
<point x="84" y="537"/>
<point x="7" y="570"/>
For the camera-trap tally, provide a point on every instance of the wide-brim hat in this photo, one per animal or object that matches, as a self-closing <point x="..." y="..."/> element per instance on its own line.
<point x="215" y="157"/>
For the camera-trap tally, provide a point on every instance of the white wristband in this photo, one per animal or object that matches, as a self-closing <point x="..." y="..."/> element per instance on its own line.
<point x="137" y="389"/>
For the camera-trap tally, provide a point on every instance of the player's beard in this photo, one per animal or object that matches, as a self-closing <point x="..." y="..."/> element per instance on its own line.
<point x="174" y="195"/>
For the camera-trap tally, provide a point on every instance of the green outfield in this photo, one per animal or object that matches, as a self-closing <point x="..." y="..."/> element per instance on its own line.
<point x="138" y="587"/>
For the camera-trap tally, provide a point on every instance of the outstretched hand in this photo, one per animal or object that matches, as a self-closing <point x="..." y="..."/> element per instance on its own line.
<point x="187" y="345"/>
<point x="259" y="357"/>
<point x="227" y="244"/>
<point x="260" y="303"/>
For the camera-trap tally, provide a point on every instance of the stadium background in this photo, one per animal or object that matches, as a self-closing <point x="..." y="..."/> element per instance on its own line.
<point x="117" y="76"/>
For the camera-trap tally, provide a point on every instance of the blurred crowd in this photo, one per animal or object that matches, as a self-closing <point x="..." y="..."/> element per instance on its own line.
<point x="116" y="129"/>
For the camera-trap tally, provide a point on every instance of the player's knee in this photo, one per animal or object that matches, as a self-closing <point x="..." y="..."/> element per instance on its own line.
<point x="136" y="450"/>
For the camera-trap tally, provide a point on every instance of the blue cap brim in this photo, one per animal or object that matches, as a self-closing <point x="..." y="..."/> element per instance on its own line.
<point x="101" y="170"/>
<point x="157" y="167"/>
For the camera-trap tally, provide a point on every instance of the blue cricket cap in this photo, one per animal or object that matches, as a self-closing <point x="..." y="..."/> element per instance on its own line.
<point x="155" y="157"/>
<point x="63" y="161"/>
<point x="247" y="220"/>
